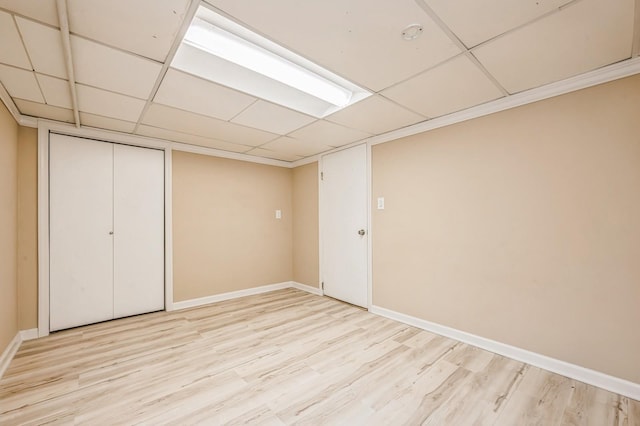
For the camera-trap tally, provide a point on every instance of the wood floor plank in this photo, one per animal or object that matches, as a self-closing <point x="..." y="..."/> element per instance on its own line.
<point x="285" y="357"/>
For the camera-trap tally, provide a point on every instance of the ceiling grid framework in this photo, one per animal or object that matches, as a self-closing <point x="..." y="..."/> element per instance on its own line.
<point x="470" y="53"/>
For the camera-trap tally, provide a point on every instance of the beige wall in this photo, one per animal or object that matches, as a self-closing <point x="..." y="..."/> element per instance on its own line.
<point x="522" y="227"/>
<point x="305" y="225"/>
<point x="27" y="228"/>
<point x="225" y="234"/>
<point x="8" y="222"/>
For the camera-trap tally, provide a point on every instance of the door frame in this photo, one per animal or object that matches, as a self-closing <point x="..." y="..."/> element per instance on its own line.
<point x="44" y="130"/>
<point x="368" y="224"/>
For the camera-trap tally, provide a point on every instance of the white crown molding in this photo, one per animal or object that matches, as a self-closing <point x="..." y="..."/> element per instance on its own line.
<point x="306" y="160"/>
<point x="112" y="136"/>
<point x="28" y="121"/>
<point x="603" y="75"/>
<point x="8" y="102"/>
<point x="195" y="149"/>
<point x="593" y="78"/>
<point x="576" y="372"/>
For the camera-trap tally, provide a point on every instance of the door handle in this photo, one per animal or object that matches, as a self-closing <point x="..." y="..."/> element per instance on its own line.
<point x="362" y="232"/>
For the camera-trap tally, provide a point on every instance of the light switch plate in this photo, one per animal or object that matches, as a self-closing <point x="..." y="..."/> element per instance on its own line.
<point x="380" y="203"/>
<point x="278" y="214"/>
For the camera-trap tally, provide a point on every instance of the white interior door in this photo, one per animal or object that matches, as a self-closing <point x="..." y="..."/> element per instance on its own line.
<point x="344" y="225"/>
<point x="138" y="208"/>
<point x="80" y="225"/>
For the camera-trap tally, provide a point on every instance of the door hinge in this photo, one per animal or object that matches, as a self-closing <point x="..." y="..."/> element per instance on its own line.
<point x="322" y="285"/>
<point x="321" y="175"/>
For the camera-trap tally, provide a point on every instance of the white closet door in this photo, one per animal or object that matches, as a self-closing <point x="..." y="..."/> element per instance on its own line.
<point x="138" y="230"/>
<point x="81" y="219"/>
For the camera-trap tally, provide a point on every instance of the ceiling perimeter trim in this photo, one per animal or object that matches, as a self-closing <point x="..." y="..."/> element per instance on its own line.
<point x="8" y="102"/>
<point x="126" y="138"/>
<point x="593" y="78"/>
<point x="195" y="149"/>
<point x="603" y="75"/>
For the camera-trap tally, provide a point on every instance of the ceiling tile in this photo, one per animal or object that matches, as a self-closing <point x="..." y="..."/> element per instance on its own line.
<point x="44" y="45"/>
<point x="265" y="153"/>
<point x="272" y="118"/>
<point x="108" y="104"/>
<point x="145" y="27"/>
<point x="106" y="123"/>
<point x="11" y="49"/>
<point x="328" y="133"/>
<point x="170" y="135"/>
<point x="40" y="10"/>
<point x="455" y="85"/>
<point x="476" y="21"/>
<point x="187" y="122"/>
<point x="585" y="35"/>
<point x="358" y="39"/>
<point x="185" y="91"/>
<point x="44" y="111"/>
<point x="111" y="69"/>
<point x="55" y="90"/>
<point x="20" y="83"/>
<point x="375" y="115"/>
<point x="287" y="145"/>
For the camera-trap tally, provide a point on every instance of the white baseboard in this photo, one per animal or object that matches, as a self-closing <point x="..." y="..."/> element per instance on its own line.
<point x="592" y="377"/>
<point x="230" y="295"/>
<point x="192" y="303"/>
<point x="307" y="288"/>
<point x="9" y="352"/>
<point x="29" y="334"/>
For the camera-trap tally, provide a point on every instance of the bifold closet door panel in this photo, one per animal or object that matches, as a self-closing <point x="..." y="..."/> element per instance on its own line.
<point x="80" y="223"/>
<point x="138" y="207"/>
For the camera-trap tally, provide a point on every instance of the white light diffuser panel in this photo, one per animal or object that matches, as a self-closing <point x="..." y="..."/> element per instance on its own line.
<point x="222" y="51"/>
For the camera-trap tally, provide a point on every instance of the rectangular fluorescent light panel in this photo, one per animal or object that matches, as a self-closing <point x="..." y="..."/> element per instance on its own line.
<point x="222" y="51"/>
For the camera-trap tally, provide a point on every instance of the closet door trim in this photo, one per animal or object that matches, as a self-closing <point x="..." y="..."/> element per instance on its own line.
<point x="44" y="130"/>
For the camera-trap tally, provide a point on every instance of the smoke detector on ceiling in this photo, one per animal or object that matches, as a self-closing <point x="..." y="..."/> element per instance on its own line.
<point x="412" y="32"/>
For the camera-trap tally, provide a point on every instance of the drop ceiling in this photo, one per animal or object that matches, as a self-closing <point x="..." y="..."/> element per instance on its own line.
<point x="469" y="52"/>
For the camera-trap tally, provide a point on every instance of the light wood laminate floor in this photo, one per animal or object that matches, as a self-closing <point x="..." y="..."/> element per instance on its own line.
<point x="285" y="357"/>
